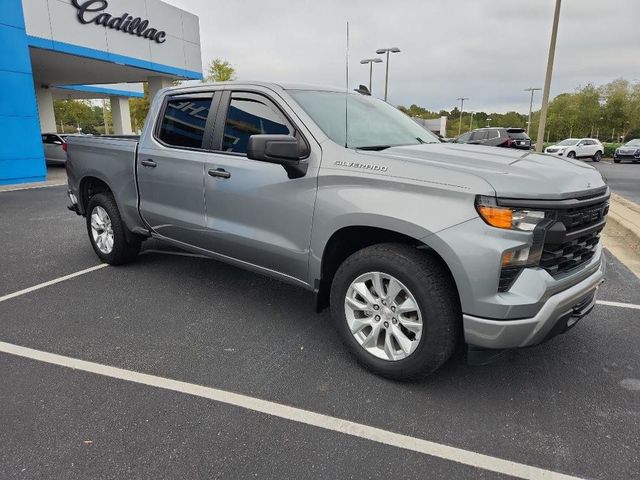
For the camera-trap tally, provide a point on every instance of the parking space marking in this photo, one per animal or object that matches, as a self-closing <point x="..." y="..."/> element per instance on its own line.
<point x="52" y="282"/>
<point x="619" y="304"/>
<point x="33" y="187"/>
<point x="458" y="455"/>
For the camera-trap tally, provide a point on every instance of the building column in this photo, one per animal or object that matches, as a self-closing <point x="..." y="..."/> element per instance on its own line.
<point x="21" y="154"/>
<point x="156" y="84"/>
<point x="47" y="116"/>
<point x="120" y="115"/>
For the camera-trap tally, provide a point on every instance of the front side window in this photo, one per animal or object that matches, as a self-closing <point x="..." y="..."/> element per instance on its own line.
<point x="184" y="121"/>
<point x="251" y="114"/>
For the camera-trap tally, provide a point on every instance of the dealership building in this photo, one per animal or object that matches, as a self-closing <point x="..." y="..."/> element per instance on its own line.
<point x="83" y="49"/>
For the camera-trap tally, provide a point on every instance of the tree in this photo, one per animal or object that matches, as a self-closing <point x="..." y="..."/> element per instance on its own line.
<point x="139" y="108"/>
<point x="220" y="70"/>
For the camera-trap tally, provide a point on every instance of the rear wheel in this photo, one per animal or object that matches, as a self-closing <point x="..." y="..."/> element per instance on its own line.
<point x="397" y="310"/>
<point x="571" y="155"/>
<point x="107" y="231"/>
<point x="598" y="156"/>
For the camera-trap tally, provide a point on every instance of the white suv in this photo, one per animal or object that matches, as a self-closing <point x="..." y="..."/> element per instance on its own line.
<point x="577" y="148"/>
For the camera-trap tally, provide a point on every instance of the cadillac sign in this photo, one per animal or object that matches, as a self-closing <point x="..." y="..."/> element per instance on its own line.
<point x="93" y="11"/>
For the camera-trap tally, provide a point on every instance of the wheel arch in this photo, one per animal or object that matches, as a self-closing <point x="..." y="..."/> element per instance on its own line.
<point x="349" y="239"/>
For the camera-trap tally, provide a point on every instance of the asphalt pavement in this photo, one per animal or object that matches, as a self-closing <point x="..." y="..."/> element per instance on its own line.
<point x="623" y="178"/>
<point x="571" y="405"/>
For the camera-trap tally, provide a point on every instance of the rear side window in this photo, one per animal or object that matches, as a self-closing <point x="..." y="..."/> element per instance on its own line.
<point x="518" y="135"/>
<point x="184" y="121"/>
<point x="50" y="139"/>
<point x="491" y="134"/>
<point x="251" y="114"/>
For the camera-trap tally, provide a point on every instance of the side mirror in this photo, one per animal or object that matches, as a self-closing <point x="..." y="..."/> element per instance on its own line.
<point x="285" y="150"/>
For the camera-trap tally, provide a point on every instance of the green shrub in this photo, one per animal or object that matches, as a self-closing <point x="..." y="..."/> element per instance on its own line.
<point x="609" y="148"/>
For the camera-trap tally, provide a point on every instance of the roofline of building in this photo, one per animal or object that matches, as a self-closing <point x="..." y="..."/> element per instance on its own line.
<point x="71" y="49"/>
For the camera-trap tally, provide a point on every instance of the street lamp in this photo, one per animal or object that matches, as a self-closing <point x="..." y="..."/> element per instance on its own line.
<point x="380" y="51"/>
<point x="370" y="61"/>
<point x="462" y="99"/>
<point x="489" y="121"/>
<point x="531" y="89"/>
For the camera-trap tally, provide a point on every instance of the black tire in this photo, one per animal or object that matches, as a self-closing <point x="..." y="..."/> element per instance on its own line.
<point x="123" y="251"/>
<point x="571" y="155"/>
<point x="432" y="287"/>
<point x="598" y="156"/>
<point x="616" y="160"/>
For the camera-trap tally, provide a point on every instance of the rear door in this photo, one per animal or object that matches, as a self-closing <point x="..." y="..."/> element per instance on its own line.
<point x="255" y="213"/>
<point x="171" y="164"/>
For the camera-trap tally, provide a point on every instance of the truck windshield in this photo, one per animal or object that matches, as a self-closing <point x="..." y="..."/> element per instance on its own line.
<point x="373" y="124"/>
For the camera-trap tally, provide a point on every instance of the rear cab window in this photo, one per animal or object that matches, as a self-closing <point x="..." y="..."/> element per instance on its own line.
<point x="184" y="120"/>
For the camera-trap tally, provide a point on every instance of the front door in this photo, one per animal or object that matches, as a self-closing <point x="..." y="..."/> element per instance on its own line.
<point x="170" y="168"/>
<point x="255" y="213"/>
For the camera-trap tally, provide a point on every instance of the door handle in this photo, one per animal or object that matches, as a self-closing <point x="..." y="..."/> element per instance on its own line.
<point x="148" y="163"/>
<point x="219" y="172"/>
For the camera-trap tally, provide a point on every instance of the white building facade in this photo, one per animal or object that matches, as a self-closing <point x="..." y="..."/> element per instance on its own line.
<point x="83" y="49"/>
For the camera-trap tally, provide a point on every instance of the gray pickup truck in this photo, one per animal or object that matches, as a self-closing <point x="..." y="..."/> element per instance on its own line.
<point x="416" y="245"/>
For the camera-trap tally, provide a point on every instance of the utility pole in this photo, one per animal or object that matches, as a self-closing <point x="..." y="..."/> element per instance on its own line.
<point x="531" y="89"/>
<point x="471" y="122"/>
<point x="462" y="99"/>
<point x="547" y="80"/>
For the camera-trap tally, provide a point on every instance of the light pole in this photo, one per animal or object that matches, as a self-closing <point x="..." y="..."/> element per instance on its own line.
<point x="531" y="89"/>
<point x="380" y="51"/>
<point x="462" y="99"/>
<point x="370" y="61"/>
<point x="489" y="121"/>
<point x="547" y="80"/>
<point x="471" y="122"/>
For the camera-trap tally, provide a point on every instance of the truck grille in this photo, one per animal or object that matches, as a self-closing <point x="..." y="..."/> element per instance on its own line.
<point x="582" y="227"/>
<point x="560" y="259"/>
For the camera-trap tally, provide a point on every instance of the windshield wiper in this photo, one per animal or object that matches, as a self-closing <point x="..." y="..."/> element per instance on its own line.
<point x="375" y="148"/>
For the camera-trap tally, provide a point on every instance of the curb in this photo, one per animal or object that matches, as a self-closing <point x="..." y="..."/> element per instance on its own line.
<point x="622" y="233"/>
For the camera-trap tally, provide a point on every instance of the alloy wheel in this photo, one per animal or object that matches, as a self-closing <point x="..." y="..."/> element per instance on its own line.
<point x="102" y="230"/>
<point x="383" y="316"/>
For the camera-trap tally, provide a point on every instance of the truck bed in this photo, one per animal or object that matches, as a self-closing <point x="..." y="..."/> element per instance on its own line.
<point x="110" y="159"/>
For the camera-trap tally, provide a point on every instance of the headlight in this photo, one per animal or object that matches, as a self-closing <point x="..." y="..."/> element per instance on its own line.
<point x="561" y="150"/>
<point x="505" y="217"/>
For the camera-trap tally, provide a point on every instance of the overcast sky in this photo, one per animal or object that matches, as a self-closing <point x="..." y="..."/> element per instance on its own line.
<point x="488" y="50"/>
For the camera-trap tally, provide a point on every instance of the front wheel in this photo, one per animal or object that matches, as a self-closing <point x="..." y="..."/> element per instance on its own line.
<point x="598" y="156"/>
<point x="616" y="160"/>
<point x="107" y="231"/>
<point x="571" y="155"/>
<point x="397" y="310"/>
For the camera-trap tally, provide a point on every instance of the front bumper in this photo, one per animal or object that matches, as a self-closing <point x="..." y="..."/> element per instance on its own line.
<point x="559" y="313"/>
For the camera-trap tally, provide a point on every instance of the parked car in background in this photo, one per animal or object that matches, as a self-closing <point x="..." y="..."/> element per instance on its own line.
<point x="577" y="148"/>
<point x="461" y="139"/>
<point x="55" y="148"/>
<point x="497" y="137"/>
<point x="629" y="151"/>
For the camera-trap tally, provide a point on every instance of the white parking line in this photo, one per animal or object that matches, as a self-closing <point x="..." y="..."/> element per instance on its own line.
<point x="619" y="304"/>
<point x="52" y="282"/>
<point x="32" y="187"/>
<point x="294" y="414"/>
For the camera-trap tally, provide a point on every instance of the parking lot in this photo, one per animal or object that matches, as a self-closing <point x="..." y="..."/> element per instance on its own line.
<point x="570" y="406"/>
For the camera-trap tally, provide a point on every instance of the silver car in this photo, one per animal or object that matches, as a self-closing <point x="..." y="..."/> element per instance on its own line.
<point x="55" y="148"/>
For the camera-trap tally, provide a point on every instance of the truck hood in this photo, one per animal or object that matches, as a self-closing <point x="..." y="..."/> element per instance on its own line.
<point x="512" y="173"/>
